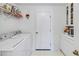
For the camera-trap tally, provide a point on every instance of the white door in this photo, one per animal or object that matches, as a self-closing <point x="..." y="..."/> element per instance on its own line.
<point x="43" y="31"/>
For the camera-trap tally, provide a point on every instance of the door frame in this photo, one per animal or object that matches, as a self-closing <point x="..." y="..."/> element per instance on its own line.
<point x="52" y="41"/>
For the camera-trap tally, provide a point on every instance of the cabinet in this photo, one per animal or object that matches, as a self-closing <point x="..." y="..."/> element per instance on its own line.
<point x="21" y="48"/>
<point x="70" y="41"/>
<point x="67" y="45"/>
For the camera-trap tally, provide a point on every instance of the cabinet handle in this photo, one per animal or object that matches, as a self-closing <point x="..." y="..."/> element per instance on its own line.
<point x="17" y="43"/>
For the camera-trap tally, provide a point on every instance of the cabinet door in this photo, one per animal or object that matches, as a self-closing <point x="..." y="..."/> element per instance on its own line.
<point x="25" y="45"/>
<point x="67" y="46"/>
<point x="23" y="48"/>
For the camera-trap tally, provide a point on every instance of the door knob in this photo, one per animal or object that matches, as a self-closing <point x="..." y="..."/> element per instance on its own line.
<point x="36" y="32"/>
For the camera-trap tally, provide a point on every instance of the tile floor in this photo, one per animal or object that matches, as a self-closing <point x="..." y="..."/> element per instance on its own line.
<point x="47" y="53"/>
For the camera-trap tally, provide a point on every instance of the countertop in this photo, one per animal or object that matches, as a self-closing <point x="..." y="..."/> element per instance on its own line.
<point x="11" y="43"/>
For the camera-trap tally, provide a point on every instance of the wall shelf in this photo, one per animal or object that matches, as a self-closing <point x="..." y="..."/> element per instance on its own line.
<point x="69" y="26"/>
<point x="11" y="10"/>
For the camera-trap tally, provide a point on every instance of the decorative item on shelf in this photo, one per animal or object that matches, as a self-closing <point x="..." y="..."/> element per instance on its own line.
<point x="69" y="30"/>
<point x="7" y="8"/>
<point x="75" y="52"/>
<point x="16" y="12"/>
<point x="0" y="10"/>
<point x="71" y="13"/>
<point x="27" y="16"/>
<point x="66" y="29"/>
<point x="11" y="10"/>
<point x="67" y="15"/>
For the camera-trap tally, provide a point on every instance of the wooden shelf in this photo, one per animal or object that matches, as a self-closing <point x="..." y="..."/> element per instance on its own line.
<point x="69" y="25"/>
<point x="18" y="15"/>
<point x="15" y="14"/>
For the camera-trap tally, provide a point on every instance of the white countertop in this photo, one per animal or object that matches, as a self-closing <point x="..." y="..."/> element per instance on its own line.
<point x="9" y="44"/>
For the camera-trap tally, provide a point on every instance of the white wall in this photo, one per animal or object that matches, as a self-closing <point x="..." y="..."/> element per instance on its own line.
<point x="76" y="25"/>
<point x="58" y="24"/>
<point x="58" y="13"/>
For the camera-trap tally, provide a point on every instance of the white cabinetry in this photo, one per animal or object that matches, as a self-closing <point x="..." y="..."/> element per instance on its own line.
<point x="22" y="48"/>
<point x="69" y="43"/>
